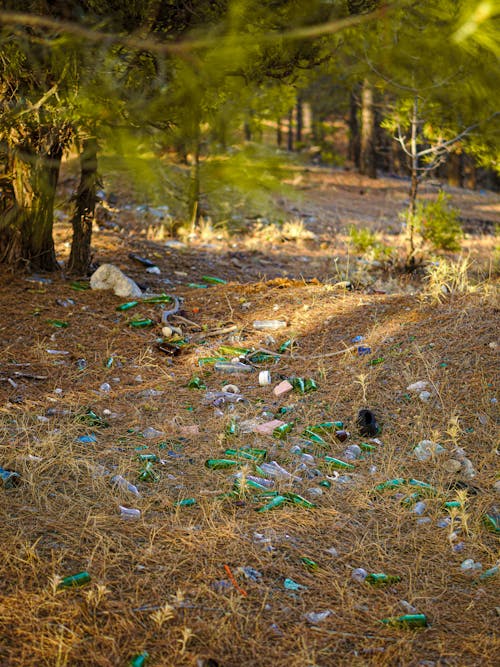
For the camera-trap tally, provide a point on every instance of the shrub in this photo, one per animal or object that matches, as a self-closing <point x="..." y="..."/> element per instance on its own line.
<point x="439" y="224"/>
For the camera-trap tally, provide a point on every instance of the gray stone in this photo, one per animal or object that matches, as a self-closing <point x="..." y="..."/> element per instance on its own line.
<point x="108" y="276"/>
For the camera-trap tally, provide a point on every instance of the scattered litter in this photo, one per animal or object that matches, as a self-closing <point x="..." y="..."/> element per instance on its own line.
<point x="87" y="439"/>
<point x="129" y="512"/>
<point x="264" y="378"/>
<point x="426" y="449"/>
<point x="268" y="427"/>
<point x="282" y="388"/>
<point x="149" y="433"/>
<point x="124" y="485"/>
<point x="417" y="387"/>
<point x="269" y="325"/>
<point x="9" y="478"/>
<point x="232" y="367"/>
<point x="74" y="580"/>
<point x="359" y="574"/>
<point x="367" y="423"/>
<point x="292" y="585"/>
<point x="317" y="617"/>
<point x="139" y="660"/>
<point x="408" y="620"/>
<point x="233" y="581"/>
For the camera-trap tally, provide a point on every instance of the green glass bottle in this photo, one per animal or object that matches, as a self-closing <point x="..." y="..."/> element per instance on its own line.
<point x="231" y="350"/>
<point x="309" y="563"/>
<point x="299" y="500"/>
<point x="141" y="324"/>
<point x="74" y="580"/>
<point x="186" y="502"/>
<point x="338" y="464"/>
<point x="492" y="522"/>
<point x="408" y="620"/>
<point x="281" y="431"/>
<point x="391" y="484"/>
<point x="314" y="437"/>
<point x="277" y="501"/>
<point x="326" y="426"/>
<point x="213" y="280"/>
<point x="127" y="306"/>
<point x="196" y="383"/>
<point x="220" y="464"/>
<point x="310" y="385"/>
<point x="381" y="579"/>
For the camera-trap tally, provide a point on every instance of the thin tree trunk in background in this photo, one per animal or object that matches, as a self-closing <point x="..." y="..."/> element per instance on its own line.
<point x="83" y="216"/>
<point x="300" y="120"/>
<point x="354" y="138"/>
<point x="279" y="133"/>
<point x="454" y="169"/>
<point x="290" y="131"/>
<point x="470" y="172"/>
<point x="247" y="130"/>
<point x="367" y="153"/>
<point x="414" y="168"/>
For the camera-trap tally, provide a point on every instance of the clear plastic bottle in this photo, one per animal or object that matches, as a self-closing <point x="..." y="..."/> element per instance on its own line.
<point x="269" y="325"/>
<point x="232" y="367"/>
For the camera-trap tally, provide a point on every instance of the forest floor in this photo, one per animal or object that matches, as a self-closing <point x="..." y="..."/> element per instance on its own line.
<point x="216" y="582"/>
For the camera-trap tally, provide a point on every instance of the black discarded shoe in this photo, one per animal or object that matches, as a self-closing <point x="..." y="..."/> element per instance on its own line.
<point x="367" y="423"/>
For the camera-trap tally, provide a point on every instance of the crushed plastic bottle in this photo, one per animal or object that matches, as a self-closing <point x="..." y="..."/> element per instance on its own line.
<point x="125" y="485"/>
<point x="419" y="508"/>
<point x="9" y="478"/>
<point x="317" y="617"/>
<point x="129" y="512"/>
<point x="149" y="433"/>
<point x="426" y="449"/>
<point x="273" y="469"/>
<point x="352" y="452"/>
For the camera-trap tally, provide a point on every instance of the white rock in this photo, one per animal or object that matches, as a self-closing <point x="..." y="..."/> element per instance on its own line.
<point x="108" y="276"/>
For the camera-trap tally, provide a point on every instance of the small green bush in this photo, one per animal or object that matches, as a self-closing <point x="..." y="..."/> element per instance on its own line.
<point x="439" y="224"/>
<point x="362" y="239"/>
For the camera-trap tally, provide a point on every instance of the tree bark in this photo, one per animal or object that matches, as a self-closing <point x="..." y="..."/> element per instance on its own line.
<point x="454" y="169"/>
<point x="279" y="133"/>
<point x="29" y="220"/>
<point x="289" y="145"/>
<point x="83" y="215"/>
<point x="367" y="152"/>
<point x="300" y="120"/>
<point x="354" y="139"/>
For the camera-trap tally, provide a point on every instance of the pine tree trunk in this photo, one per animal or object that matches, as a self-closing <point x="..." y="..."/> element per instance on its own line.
<point x="454" y="170"/>
<point x="300" y="120"/>
<point x="29" y="230"/>
<point x="290" y="131"/>
<point x="279" y="133"/>
<point x="354" y="139"/>
<point x="470" y="173"/>
<point x="367" y="153"/>
<point x="83" y="215"/>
